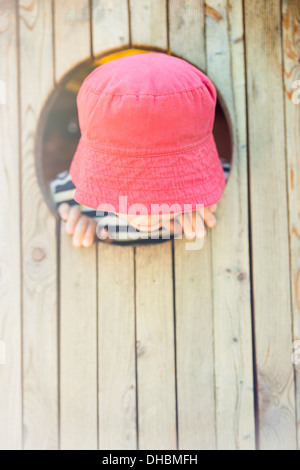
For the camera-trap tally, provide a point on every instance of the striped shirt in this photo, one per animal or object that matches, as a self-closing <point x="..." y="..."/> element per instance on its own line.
<point x="62" y="189"/>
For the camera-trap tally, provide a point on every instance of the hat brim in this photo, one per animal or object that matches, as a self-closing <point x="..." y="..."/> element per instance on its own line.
<point x="182" y="180"/>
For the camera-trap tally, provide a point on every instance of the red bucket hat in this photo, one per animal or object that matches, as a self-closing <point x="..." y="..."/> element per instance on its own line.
<point x="146" y="125"/>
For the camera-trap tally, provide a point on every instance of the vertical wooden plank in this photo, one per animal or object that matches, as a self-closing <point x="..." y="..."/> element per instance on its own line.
<point x="72" y="34"/>
<point x="110" y="25"/>
<point x="230" y="246"/>
<point x="269" y="220"/>
<point x="154" y="291"/>
<point x="117" y="365"/>
<point x="291" y="53"/>
<point x="78" y="346"/>
<point x="194" y="315"/>
<point x="155" y="347"/>
<point x="194" y="347"/>
<point x="149" y="23"/>
<point x="78" y="273"/>
<point x="186" y="30"/>
<point x="10" y="269"/>
<point x="40" y="381"/>
<point x="116" y="337"/>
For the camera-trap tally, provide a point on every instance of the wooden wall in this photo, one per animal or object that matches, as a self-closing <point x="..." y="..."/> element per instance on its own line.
<point x="154" y="347"/>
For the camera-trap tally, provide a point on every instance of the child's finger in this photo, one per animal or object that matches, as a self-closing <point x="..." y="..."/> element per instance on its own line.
<point x="89" y="235"/>
<point x="213" y="208"/>
<point x="74" y="215"/>
<point x="209" y="218"/>
<point x="64" y="210"/>
<point x="104" y="234"/>
<point x="174" y="226"/>
<point x="80" y="230"/>
<point x="187" y="224"/>
<point x="198" y="224"/>
<point x="177" y="228"/>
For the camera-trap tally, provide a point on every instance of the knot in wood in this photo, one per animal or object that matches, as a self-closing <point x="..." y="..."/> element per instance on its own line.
<point x="38" y="254"/>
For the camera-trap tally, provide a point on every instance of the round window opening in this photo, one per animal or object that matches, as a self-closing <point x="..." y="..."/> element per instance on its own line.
<point x="57" y="139"/>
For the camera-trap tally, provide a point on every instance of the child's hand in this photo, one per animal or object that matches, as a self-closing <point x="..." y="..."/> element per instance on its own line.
<point x="186" y="223"/>
<point x="82" y="227"/>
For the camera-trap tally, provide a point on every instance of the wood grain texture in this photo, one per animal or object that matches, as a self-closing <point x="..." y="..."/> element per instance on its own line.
<point x="110" y="25"/>
<point x="154" y="291"/>
<point x="148" y="20"/>
<point x="117" y="363"/>
<point x="186" y="30"/>
<point x="146" y="366"/>
<point x="291" y="55"/>
<point x="269" y="222"/>
<point x="78" y="346"/>
<point x="230" y="247"/>
<point x="194" y="347"/>
<point x="78" y="274"/>
<point x="40" y="378"/>
<point x="116" y="332"/>
<point x="10" y="242"/>
<point x="193" y="287"/>
<point x="72" y="34"/>
<point x="155" y="347"/>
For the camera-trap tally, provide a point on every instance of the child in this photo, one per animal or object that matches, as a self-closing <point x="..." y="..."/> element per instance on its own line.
<point x="146" y="133"/>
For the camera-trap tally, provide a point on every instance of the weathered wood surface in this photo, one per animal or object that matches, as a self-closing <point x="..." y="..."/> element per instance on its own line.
<point x="151" y="347"/>
<point x="193" y="281"/>
<point x="78" y="347"/>
<point x="230" y="245"/>
<point x="155" y="348"/>
<point x="78" y="273"/>
<point x="269" y="226"/>
<point x="148" y="23"/>
<point x="291" y="64"/>
<point x="116" y="303"/>
<point x="116" y="350"/>
<point x="110" y="25"/>
<point x="39" y="241"/>
<point x="72" y="34"/>
<point x="156" y="380"/>
<point x="10" y="242"/>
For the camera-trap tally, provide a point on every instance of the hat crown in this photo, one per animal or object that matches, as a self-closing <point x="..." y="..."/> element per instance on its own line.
<point x="151" y="73"/>
<point x="146" y="103"/>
